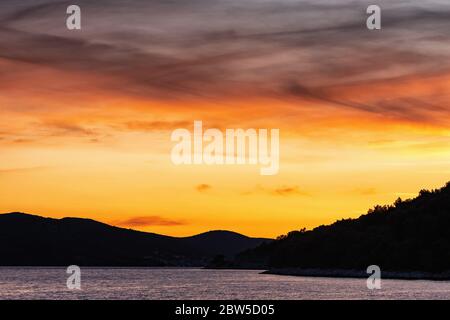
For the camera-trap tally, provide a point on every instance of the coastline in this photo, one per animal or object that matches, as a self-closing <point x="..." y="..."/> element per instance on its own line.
<point x="345" y="273"/>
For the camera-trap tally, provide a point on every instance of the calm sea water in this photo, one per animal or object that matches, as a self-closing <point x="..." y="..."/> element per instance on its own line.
<point x="183" y="283"/>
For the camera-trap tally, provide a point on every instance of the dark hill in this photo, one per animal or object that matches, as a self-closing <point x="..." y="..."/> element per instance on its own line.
<point x="411" y="235"/>
<point x="230" y="242"/>
<point x="29" y="240"/>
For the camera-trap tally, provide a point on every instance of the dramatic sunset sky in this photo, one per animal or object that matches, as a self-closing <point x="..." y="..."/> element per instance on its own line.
<point x="86" y="116"/>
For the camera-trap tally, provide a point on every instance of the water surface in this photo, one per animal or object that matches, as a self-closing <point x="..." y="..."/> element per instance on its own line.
<point x="185" y="283"/>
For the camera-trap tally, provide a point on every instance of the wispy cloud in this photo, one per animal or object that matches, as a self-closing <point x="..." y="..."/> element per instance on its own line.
<point x="21" y="170"/>
<point x="58" y="128"/>
<point x="203" y="187"/>
<point x="368" y="191"/>
<point x="289" y="190"/>
<point x="146" y="221"/>
<point x="156" y="125"/>
<point x="285" y="190"/>
<point x="308" y="50"/>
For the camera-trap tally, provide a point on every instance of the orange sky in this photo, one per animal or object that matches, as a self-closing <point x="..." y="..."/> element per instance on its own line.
<point x="86" y="118"/>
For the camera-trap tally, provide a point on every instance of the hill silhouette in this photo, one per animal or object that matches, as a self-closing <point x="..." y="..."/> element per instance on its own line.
<point x="410" y="235"/>
<point x="29" y="240"/>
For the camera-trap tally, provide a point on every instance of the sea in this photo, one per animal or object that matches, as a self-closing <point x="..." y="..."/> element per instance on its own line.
<point x="31" y="283"/>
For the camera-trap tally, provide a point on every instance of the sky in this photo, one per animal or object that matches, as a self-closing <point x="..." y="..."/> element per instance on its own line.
<point x="86" y="115"/>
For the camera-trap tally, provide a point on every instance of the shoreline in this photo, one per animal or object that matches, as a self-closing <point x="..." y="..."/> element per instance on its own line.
<point x="345" y="273"/>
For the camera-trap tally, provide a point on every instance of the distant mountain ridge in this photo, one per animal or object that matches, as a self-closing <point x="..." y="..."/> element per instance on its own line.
<point x="30" y="240"/>
<point x="410" y="235"/>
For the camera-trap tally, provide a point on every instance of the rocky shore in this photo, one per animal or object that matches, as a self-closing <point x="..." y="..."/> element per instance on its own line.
<point x="339" y="273"/>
